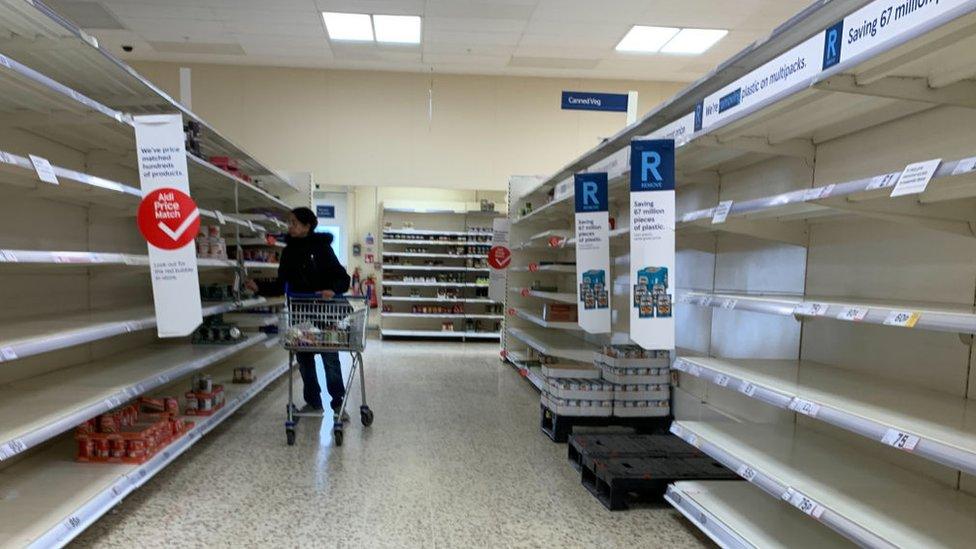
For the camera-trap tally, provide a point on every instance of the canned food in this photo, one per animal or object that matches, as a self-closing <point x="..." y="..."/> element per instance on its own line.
<point x="136" y="448"/>
<point x="107" y="424"/>
<point x="172" y="405"/>
<point x="116" y="447"/>
<point x="86" y="447"/>
<point x="101" y="447"/>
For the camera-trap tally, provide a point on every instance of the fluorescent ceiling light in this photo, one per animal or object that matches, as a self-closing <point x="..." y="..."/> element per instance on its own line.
<point x="397" y="29"/>
<point x="646" y="39"/>
<point x="693" y="40"/>
<point x="348" y="26"/>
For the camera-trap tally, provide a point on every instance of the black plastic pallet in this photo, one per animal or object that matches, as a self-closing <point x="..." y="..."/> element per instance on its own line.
<point x="558" y="427"/>
<point x="610" y="445"/>
<point x="616" y="482"/>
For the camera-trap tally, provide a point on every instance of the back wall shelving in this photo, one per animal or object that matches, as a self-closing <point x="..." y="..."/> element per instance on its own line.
<point x="435" y="273"/>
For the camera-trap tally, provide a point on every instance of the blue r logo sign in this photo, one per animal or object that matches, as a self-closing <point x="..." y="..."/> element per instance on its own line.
<point x="650" y="160"/>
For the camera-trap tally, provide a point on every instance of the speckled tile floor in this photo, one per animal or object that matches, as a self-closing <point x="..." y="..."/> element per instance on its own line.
<point x="454" y="459"/>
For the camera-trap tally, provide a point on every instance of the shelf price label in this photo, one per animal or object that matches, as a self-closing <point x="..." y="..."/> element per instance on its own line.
<point x="810" y="308"/>
<point x="818" y="193"/>
<point x="803" y="503"/>
<point x="746" y="472"/>
<point x="900" y="440"/>
<point x="905" y="319"/>
<point x="45" y="172"/>
<point x="7" y="353"/>
<point x="853" y="314"/>
<point x="681" y="365"/>
<point x="883" y="181"/>
<point x="722" y="380"/>
<point x="804" y="407"/>
<point x="706" y="301"/>
<point x="915" y="178"/>
<point x="747" y="388"/>
<point x="721" y="212"/>
<point x="695" y="370"/>
<point x="729" y="304"/>
<point x="965" y="165"/>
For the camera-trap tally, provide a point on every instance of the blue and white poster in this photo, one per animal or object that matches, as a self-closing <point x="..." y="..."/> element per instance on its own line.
<point x="652" y="243"/>
<point x="592" y="252"/>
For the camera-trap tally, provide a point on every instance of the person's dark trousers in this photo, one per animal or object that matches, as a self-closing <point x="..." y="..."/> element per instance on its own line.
<point x="333" y="379"/>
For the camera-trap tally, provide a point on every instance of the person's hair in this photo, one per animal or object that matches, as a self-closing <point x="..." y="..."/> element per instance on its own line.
<point x="306" y="216"/>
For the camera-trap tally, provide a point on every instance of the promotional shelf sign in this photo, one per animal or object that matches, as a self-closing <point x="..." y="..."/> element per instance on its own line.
<point x="169" y="220"/>
<point x="592" y="252"/>
<point x="499" y="259"/>
<point x="652" y="243"/>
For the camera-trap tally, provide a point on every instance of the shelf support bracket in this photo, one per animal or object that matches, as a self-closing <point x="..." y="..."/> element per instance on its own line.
<point x="960" y="94"/>
<point x="797" y="148"/>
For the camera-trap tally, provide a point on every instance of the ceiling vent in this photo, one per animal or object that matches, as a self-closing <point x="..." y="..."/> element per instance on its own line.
<point x="552" y="63"/>
<point x="87" y="15"/>
<point x="197" y="48"/>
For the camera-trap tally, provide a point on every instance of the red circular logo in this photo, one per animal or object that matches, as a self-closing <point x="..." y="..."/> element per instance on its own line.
<point x="555" y="242"/>
<point x="499" y="257"/>
<point x="525" y="292"/>
<point x="168" y="219"/>
<point x="533" y="267"/>
<point x="511" y="311"/>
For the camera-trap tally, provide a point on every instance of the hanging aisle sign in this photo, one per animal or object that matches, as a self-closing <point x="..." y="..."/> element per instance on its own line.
<point x="169" y="220"/>
<point x="652" y="243"/>
<point x="592" y="252"/>
<point x="499" y="259"/>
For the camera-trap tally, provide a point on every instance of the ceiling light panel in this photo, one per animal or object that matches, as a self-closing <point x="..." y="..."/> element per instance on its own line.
<point x="348" y="26"/>
<point x="693" y="41"/>
<point x="646" y="39"/>
<point x="397" y="29"/>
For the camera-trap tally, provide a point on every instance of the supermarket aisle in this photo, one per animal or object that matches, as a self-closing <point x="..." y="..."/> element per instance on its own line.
<point x="455" y="459"/>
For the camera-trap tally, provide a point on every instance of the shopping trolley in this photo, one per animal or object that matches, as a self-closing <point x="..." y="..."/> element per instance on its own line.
<point x="310" y="324"/>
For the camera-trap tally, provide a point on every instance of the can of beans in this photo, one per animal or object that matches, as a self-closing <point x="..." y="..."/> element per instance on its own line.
<point x="101" y="447"/>
<point x="136" y="448"/>
<point x="116" y="447"/>
<point x="107" y="424"/>
<point x="86" y="448"/>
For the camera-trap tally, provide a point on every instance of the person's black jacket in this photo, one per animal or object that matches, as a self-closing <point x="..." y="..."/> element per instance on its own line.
<point x="308" y="265"/>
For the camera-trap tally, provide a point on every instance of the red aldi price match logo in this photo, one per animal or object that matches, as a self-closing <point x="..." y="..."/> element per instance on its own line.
<point x="499" y="257"/>
<point x="168" y="219"/>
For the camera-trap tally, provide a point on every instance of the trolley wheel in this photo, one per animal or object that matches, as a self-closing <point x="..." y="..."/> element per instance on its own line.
<point x="366" y="416"/>
<point x="337" y="436"/>
<point x="290" y="433"/>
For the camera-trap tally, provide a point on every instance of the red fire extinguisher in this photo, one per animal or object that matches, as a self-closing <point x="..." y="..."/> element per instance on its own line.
<point x="370" y="290"/>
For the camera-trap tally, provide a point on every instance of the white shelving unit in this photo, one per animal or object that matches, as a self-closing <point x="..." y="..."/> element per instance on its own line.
<point x="76" y="335"/>
<point x="739" y="515"/>
<point x="435" y="278"/>
<point x="864" y="499"/>
<point x="821" y="302"/>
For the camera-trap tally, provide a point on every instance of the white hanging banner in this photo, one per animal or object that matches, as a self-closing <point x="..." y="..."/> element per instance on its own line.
<point x="169" y="220"/>
<point x="652" y="243"/>
<point x="499" y="259"/>
<point x="592" y="252"/>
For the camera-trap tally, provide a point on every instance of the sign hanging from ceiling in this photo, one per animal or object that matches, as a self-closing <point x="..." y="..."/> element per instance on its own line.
<point x="169" y="220"/>
<point x="652" y="243"/>
<point x="594" y="101"/>
<point x="592" y="252"/>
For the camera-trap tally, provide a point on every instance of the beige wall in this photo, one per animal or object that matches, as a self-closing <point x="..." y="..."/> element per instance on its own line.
<point x="372" y="128"/>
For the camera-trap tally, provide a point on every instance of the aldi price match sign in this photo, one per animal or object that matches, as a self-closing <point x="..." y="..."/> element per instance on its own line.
<point x="652" y="243"/>
<point x="592" y="252"/>
<point x="169" y="221"/>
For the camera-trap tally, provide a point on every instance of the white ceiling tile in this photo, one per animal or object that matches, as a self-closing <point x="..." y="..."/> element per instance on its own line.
<point x="472" y="24"/>
<point x="612" y="11"/>
<point x="269" y="16"/>
<point x="382" y="7"/>
<point x="157" y="11"/>
<point x="485" y="9"/>
<point x="440" y="60"/>
<point x="474" y="38"/>
<point x="468" y="49"/>
<point x="313" y="28"/>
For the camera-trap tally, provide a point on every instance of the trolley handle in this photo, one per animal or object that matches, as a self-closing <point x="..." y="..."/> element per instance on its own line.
<point x="304" y="295"/>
